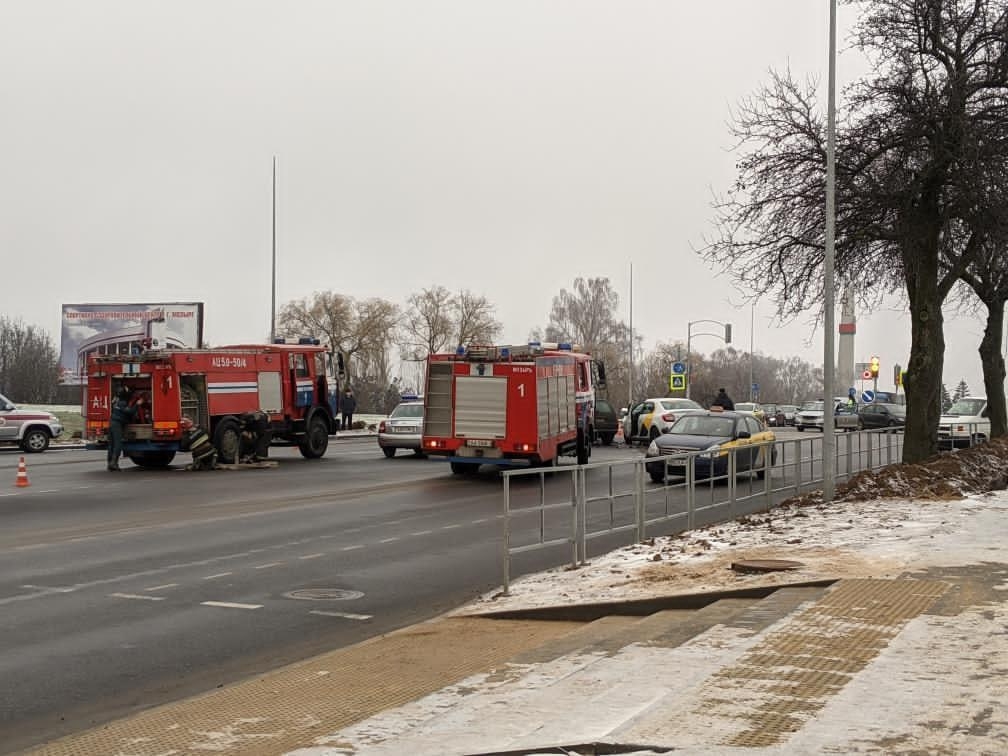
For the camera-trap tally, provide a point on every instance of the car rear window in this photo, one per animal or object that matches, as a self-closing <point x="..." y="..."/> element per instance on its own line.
<point x="408" y="410"/>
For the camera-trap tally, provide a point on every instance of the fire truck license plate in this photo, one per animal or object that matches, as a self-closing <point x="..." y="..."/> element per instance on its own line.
<point x="479" y="442"/>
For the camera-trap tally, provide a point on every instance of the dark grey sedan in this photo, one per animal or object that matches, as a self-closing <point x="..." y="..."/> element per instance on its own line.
<point x="880" y="415"/>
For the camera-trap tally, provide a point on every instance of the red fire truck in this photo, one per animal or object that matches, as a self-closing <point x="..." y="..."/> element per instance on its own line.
<point x="213" y="387"/>
<point x="502" y="404"/>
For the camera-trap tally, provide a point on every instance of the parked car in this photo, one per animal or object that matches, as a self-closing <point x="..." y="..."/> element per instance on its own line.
<point x="403" y="429"/>
<point x="754" y="408"/>
<point x="717" y="434"/>
<point x="790" y="411"/>
<point x="652" y="417"/>
<point x="32" y="430"/>
<point x="606" y="421"/>
<point x="882" y="415"/>
<point x="811" y="416"/>
<point x="774" y="415"/>
<point x="966" y="423"/>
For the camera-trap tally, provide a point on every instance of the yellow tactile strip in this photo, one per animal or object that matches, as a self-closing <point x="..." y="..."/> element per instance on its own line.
<point x="290" y="707"/>
<point x="790" y="675"/>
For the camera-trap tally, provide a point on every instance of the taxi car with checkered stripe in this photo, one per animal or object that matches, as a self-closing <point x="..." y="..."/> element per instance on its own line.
<point x="709" y="440"/>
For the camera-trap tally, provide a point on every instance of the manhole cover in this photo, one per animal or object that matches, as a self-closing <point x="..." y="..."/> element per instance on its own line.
<point x="323" y="594"/>
<point x="765" y="565"/>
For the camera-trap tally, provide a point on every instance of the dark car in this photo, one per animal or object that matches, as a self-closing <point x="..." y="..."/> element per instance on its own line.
<point x="606" y="421"/>
<point x="717" y="435"/>
<point x="881" y="415"/>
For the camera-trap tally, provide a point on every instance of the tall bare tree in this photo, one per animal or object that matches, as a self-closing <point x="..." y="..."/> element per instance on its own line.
<point x="586" y="315"/>
<point x="29" y="364"/>
<point x="474" y="319"/>
<point x="361" y="330"/>
<point x="427" y="325"/>
<point x="922" y="146"/>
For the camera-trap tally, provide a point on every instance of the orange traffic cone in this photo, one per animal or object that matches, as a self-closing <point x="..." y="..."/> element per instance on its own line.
<point x="22" y="478"/>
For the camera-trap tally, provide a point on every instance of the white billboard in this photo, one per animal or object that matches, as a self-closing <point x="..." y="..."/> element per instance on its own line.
<point x="121" y="329"/>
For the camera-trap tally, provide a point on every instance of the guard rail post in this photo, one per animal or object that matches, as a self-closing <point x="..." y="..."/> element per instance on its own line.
<point x="582" y="506"/>
<point x="690" y="465"/>
<point x="574" y="519"/>
<point x="507" y="534"/>
<point x="638" y="494"/>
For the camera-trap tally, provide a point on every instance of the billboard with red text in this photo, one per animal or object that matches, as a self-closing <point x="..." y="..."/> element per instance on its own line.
<point x="121" y="329"/>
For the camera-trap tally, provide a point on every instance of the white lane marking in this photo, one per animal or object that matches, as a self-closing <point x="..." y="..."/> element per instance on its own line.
<point x="257" y="551"/>
<point x="479" y="521"/>
<point x="218" y="575"/>
<point x="352" y="530"/>
<point x="139" y="597"/>
<point x="451" y="527"/>
<point x="422" y="532"/>
<point x="162" y="587"/>
<point x="49" y="589"/>
<point x="343" y="615"/>
<point x="311" y="556"/>
<point x="230" y="605"/>
<point x="267" y="565"/>
<point x="351" y="548"/>
<point x="389" y="540"/>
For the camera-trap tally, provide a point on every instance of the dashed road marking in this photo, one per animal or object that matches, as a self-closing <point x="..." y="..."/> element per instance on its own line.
<point x="351" y="548"/>
<point x="389" y="540"/>
<point x="422" y="533"/>
<point x="311" y="556"/>
<point x="267" y="565"/>
<point x="50" y="589"/>
<point x="218" y="575"/>
<point x="451" y="527"/>
<point x="479" y="521"/>
<point x="137" y="596"/>
<point x="342" y="615"/>
<point x="162" y="587"/>
<point x="231" y="605"/>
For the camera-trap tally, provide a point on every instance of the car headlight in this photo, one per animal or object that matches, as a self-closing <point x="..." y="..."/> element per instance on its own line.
<point x="711" y="452"/>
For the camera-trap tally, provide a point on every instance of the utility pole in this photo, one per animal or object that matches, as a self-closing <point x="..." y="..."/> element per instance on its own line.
<point x="273" y="278"/>
<point x="829" y="439"/>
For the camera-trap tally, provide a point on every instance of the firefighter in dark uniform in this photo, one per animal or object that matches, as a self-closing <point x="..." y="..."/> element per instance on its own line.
<point x="255" y="436"/>
<point x="123" y="413"/>
<point x="197" y="441"/>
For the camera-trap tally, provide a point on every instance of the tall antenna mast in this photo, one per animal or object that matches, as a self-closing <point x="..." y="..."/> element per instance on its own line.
<point x="273" y="280"/>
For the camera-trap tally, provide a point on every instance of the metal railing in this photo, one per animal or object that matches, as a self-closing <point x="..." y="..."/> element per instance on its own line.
<point x="606" y="499"/>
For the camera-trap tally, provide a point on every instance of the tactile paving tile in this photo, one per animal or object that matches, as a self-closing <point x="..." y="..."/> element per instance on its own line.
<point x="782" y="681"/>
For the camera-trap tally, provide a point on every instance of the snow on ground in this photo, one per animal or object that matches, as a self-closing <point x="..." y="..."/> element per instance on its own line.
<point x="879" y="538"/>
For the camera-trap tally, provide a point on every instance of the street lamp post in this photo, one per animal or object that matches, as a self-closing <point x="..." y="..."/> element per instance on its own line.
<point x="726" y="338"/>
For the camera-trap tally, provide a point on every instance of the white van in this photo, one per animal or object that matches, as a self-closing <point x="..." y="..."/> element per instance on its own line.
<point x="965" y="424"/>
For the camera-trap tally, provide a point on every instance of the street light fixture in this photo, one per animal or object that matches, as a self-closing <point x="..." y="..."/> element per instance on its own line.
<point x="726" y="338"/>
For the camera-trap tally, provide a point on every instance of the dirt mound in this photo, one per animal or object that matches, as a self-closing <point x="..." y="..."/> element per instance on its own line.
<point x="948" y="475"/>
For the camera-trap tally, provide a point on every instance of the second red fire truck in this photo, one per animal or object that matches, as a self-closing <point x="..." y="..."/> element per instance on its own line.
<point x="504" y="404"/>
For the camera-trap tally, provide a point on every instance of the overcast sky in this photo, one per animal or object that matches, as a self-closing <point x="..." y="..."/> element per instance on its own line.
<point x="500" y="147"/>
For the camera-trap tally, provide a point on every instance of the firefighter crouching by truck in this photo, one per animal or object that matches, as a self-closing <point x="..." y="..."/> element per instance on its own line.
<point x="197" y="441"/>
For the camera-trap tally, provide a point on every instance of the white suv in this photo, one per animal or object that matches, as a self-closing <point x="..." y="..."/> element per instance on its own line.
<point x="966" y="423"/>
<point x="31" y="430"/>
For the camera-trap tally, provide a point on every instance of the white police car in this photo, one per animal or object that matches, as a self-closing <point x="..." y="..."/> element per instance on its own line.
<point x="403" y="429"/>
<point x="30" y="429"/>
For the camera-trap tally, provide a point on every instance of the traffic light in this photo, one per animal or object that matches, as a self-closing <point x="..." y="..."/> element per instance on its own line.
<point x="897" y="376"/>
<point x="873" y="367"/>
<point x="727" y="333"/>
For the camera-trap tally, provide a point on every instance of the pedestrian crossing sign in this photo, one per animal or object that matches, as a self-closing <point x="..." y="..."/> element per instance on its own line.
<point x="677" y="383"/>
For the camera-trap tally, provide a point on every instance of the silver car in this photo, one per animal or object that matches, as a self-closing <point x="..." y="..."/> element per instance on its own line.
<point x="403" y="429"/>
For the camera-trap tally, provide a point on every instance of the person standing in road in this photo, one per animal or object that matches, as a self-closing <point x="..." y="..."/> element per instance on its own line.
<point x="347" y="406"/>
<point x="723" y="401"/>
<point x="123" y="412"/>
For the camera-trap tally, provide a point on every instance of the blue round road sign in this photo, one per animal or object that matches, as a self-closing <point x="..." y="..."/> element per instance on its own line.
<point x="678" y="368"/>
<point x="868" y="396"/>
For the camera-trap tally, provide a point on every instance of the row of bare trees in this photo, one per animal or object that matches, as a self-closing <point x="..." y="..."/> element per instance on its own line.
<point x="384" y="345"/>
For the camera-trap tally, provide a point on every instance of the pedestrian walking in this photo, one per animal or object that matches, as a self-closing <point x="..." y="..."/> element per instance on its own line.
<point x="723" y="401"/>
<point x="123" y="413"/>
<point x="347" y="406"/>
